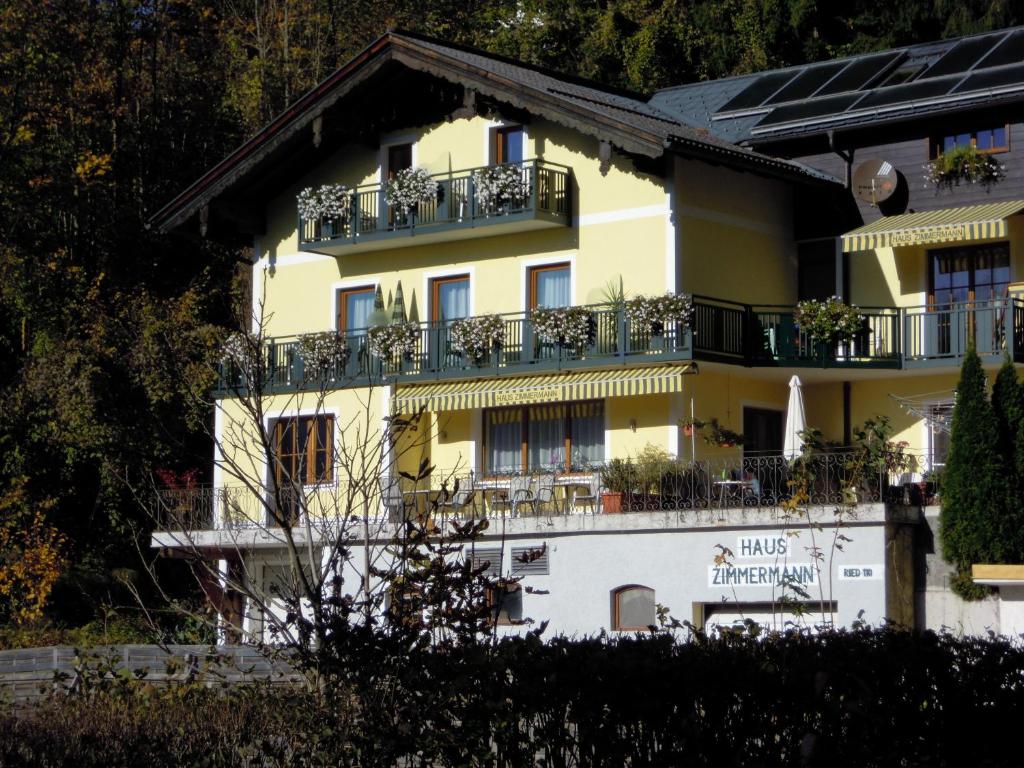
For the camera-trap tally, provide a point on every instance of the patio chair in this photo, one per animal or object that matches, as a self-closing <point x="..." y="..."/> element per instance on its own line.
<point x="542" y="493"/>
<point x="589" y="494"/>
<point x="519" y="493"/>
<point x="394" y="500"/>
<point x="461" y="499"/>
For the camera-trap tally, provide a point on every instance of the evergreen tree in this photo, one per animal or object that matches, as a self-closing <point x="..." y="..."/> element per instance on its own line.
<point x="975" y="488"/>
<point x="1008" y="407"/>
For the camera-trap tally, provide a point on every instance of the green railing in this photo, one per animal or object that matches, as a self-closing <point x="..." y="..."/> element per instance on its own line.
<point x="722" y="331"/>
<point x="612" y="340"/>
<point x="546" y="193"/>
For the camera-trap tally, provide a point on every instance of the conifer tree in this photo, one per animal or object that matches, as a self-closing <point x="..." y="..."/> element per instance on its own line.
<point x="975" y="488"/>
<point x="1008" y="407"/>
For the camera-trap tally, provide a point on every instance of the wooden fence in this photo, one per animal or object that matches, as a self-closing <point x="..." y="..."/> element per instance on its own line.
<point x="30" y="673"/>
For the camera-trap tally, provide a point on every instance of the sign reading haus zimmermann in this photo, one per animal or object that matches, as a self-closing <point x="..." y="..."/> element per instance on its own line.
<point x="762" y="574"/>
<point x="523" y="396"/>
<point x="761" y="546"/>
<point x="937" y="234"/>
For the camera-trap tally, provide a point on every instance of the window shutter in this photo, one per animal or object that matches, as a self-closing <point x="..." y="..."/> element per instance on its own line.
<point x="538" y="567"/>
<point x="491" y="555"/>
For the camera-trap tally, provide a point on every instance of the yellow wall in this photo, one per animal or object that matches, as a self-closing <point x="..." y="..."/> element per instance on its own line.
<point x="298" y="289"/>
<point x="899" y="276"/>
<point x="735" y="235"/>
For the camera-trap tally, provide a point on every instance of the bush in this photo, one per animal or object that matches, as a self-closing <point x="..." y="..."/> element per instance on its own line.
<point x="859" y="698"/>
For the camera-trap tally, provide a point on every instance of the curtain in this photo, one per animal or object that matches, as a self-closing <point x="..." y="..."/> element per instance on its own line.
<point x="453" y="297"/>
<point x="504" y="440"/>
<point x="553" y="288"/>
<point x="547" y="437"/>
<point x="358" y="306"/>
<point x="587" y="434"/>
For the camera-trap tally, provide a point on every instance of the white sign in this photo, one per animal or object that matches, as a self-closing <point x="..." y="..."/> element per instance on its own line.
<point x="762" y="575"/>
<point x="860" y="572"/>
<point x="762" y="546"/>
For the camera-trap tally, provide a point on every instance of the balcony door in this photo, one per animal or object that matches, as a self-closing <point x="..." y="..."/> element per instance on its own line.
<point x="399" y="159"/>
<point x="967" y="299"/>
<point x="449" y="301"/>
<point x="508" y="144"/>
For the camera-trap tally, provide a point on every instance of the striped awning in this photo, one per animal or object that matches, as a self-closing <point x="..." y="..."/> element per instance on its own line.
<point x="947" y="225"/>
<point x="556" y="388"/>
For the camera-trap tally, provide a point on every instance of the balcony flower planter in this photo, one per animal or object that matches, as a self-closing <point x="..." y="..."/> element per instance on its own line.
<point x="828" y="323"/>
<point x="571" y="328"/>
<point x="329" y="206"/>
<point x="407" y="190"/>
<point x="475" y="338"/>
<point x="653" y="314"/>
<point x="323" y="353"/>
<point x="500" y="188"/>
<point x="964" y="164"/>
<point x="391" y="342"/>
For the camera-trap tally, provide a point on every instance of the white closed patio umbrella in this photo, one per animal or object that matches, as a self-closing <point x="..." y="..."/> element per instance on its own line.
<point x="796" y="421"/>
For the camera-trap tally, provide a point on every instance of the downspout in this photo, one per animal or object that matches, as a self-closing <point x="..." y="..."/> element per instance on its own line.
<point x="843" y="265"/>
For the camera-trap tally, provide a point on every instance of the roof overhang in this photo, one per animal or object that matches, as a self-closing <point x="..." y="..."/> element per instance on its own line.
<point x="946" y="225"/>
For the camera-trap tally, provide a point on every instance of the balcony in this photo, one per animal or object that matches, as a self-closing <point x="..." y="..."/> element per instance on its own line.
<point x="723" y="331"/>
<point x="456" y="213"/>
<point x="522" y="352"/>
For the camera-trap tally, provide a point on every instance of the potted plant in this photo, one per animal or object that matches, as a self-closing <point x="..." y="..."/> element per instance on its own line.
<point x="650" y="314"/>
<point x="616" y="481"/>
<point x="500" y="188"/>
<point x="323" y="353"/>
<point x="964" y="163"/>
<point x="692" y="425"/>
<point x="398" y="340"/>
<point x="568" y="327"/>
<point x="409" y="188"/>
<point x="722" y="437"/>
<point x="828" y="322"/>
<point x="329" y="206"/>
<point x="476" y="337"/>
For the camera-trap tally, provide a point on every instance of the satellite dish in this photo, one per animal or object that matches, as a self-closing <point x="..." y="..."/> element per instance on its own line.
<point x="874" y="181"/>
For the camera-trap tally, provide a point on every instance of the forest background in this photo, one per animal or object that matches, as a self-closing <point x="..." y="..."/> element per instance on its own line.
<point x="108" y="108"/>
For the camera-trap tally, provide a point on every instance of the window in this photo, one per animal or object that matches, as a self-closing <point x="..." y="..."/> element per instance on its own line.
<point x="505" y="599"/>
<point x="449" y="298"/>
<point x="633" y="608"/>
<point x="304" y="449"/>
<point x="550" y="286"/>
<point x="508" y="144"/>
<point x="557" y="437"/>
<point x="989" y="140"/>
<point x="354" y="307"/>
<point x="966" y="275"/>
<point x="399" y="158"/>
<point x="939" y="416"/>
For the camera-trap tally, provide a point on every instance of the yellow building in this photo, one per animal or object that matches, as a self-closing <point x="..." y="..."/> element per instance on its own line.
<point x="456" y="227"/>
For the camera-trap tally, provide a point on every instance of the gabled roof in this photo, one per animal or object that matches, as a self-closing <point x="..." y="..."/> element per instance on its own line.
<point x="625" y="120"/>
<point x="888" y="86"/>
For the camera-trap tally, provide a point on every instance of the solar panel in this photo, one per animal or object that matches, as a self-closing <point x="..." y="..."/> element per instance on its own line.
<point x="992" y="78"/>
<point x="961" y="57"/>
<point x="759" y="90"/>
<point x="805" y="110"/>
<point x="1010" y="51"/>
<point x="858" y="73"/>
<point x="918" y="89"/>
<point x="806" y="83"/>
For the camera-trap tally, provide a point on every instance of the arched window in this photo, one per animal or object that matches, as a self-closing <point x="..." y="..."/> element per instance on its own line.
<point x="632" y="608"/>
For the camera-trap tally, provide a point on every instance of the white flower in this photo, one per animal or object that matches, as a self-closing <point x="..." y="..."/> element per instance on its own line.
<point x="237" y="347"/>
<point x="389" y="341"/>
<point x="322" y="352"/>
<point x="331" y="201"/>
<point x="828" y="321"/>
<point x="409" y="188"/>
<point x="500" y="185"/>
<point x="570" y="327"/>
<point x="476" y="336"/>
<point x="654" y="312"/>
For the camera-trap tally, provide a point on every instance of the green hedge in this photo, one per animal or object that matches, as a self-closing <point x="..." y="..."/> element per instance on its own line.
<point x="863" y="698"/>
